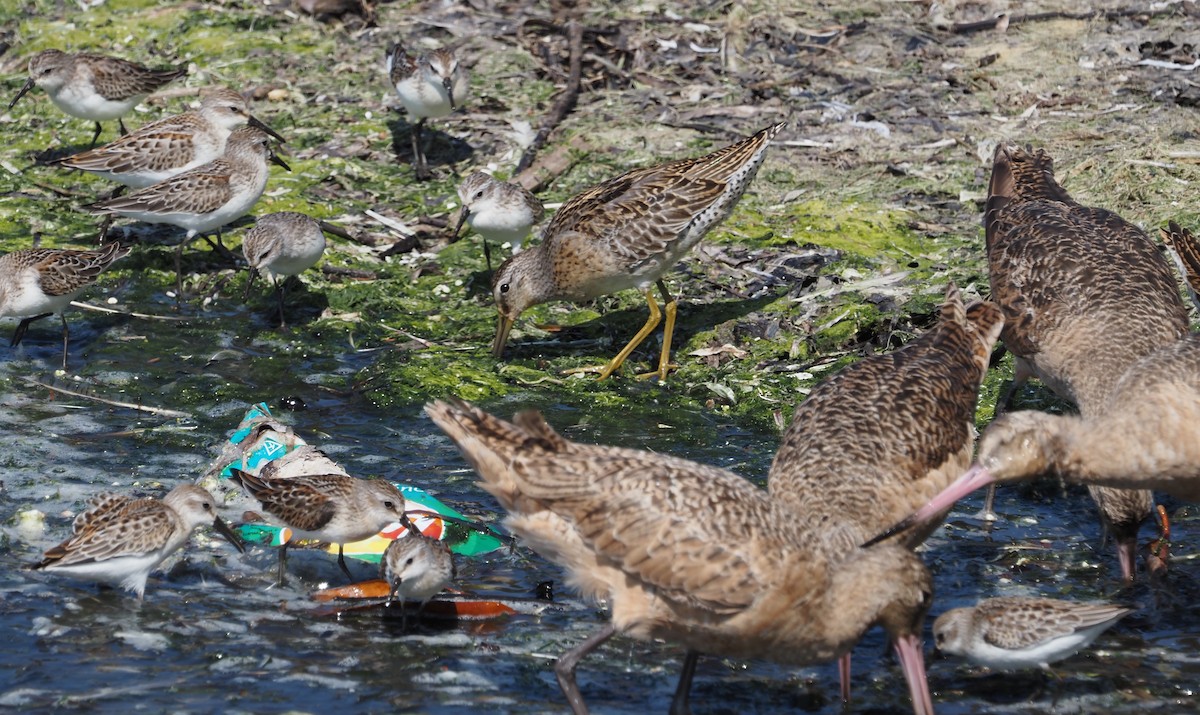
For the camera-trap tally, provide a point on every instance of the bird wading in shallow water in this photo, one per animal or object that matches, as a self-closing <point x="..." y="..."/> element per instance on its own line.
<point x="626" y="233"/>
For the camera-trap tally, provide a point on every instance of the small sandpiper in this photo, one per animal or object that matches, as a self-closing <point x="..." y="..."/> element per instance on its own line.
<point x="170" y="146"/>
<point x="119" y="540"/>
<point x="206" y="198"/>
<point x="430" y="85"/>
<point x="498" y="210"/>
<point x="280" y="245"/>
<point x="330" y="507"/>
<point x="36" y="283"/>
<point x="95" y="87"/>
<point x="626" y="233"/>
<point x="1017" y="632"/>
<point x="417" y="568"/>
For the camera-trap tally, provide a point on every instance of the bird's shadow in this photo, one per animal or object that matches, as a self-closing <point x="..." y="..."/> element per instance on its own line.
<point x="441" y="148"/>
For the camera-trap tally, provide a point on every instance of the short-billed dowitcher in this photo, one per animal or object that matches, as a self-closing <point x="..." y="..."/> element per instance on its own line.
<point x="626" y="233"/>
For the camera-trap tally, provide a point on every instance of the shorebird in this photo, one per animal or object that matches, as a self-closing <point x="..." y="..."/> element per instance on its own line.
<point x="206" y="198"/>
<point x="430" y="85"/>
<point x="1085" y="294"/>
<point x="170" y="146"/>
<point x="329" y="507"/>
<point x="498" y="210"/>
<point x="95" y="87"/>
<point x="36" y="283"/>
<point x="626" y="233"/>
<point x="882" y="436"/>
<point x="417" y="568"/>
<point x="281" y="245"/>
<point x="119" y="540"/>
<point x="688" y="553"/>
<point x="1015" y="632"/>
<point x="1144" y="439"/>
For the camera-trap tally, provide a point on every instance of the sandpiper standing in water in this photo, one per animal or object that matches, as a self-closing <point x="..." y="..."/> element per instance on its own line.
<point x="36" y="283"/>
<point x="119" y="540"/>
<point x="430" y="85"/>
<point x="95" y="87"/>
<point x="281" y="245"/>
<point x="626" y="233"/>
<point x="417" y="568"/>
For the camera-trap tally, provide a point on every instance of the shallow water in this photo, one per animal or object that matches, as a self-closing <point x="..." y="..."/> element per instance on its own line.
<point x="214" y="633"/>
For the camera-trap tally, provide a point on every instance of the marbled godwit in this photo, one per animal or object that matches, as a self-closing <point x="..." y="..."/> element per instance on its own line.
<point x="626" y="233"/>
<point x="1017" y="632"/>
<point x="1085" y="294"/>
<point x="878" y="439"/>
<point x="688" y="553"/>
<point x="1145" y="438"/>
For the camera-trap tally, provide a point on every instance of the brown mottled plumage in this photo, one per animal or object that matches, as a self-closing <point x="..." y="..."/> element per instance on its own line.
<point x="91" y="86"/>
<point x="688" y="553"/>
<point x="330" y="507"/>
<point x="120" y="539"/>
<point x="1185" y="251"/>
<point x="1085" y="294"/>
<point x="882" y="436"/>
<point x="38" y="282"/>
<point x="1020" y="632"/>
<point x="1144" y="438"/>
<point x="626" y="233"/>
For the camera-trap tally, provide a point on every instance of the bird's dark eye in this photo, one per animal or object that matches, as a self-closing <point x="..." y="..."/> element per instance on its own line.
<point x="409" y="562"/>
<point x="479" y="194"/>
<point x="389" y="504"/>
<point x="503" y="287"/>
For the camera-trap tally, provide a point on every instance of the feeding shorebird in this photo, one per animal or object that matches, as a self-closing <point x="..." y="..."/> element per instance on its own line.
<point x="1144" y="439"/>
<point x="119" y="540"/>
<point x="170" y="146"/>
<point x="206" y="198"/>
<point x="688" y="553"/>
<point x="430" y="85"/>
<point x="36" y="283"/>
<point x="626" y="233"/>
<point x="1016" y="632"/>
<point x="329" y="507"/>
<point x="1085" y="294"/>
<point x="281" y="245"/>
<point x="879" y="438"/>
<point x="501" y="211"/>
<point x="417" y="568"/>
<point x="91" y="86"/>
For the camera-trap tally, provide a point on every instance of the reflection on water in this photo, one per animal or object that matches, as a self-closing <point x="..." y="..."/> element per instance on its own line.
<point x="215" y="633"/>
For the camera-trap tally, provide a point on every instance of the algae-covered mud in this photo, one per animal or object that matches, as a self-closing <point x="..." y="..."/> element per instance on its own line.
<point x="866" y="206"/>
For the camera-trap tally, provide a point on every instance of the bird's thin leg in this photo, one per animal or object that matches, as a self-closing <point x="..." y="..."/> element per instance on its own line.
<point x="564" y="667"/>
<point x="106" y="223"/>
<point x="19" y="333"/>
<point x="420" y="167"/>
<point x="283" y="563"/>
<point x="844" y="676"/>
<point x="96" y="135"/>
<point x="664" y="360"/>
<point x="342" y="563"/>
<point x="613" y="365"/>
<point x="487" y="254"/>
<point x="280" y="287"/>
<point x="679" y="703"/>
<point x="1021" y="374"/>
<point x="120" y="125"/>
<point x="66" y="339"/>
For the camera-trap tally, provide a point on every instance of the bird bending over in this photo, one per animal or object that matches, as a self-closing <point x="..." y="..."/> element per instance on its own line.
<point x="417" y="568"/>
<point x="119" y="540"/>
<point x="281" y="245"/>
<point x="688" y="553"/>
<point x="626" y="233"/>
<point x="1085" y="294"/>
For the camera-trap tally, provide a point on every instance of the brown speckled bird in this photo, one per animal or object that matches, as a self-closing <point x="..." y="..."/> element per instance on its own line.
<point x="882" y="436"/>
<point x="36" y="283"/>
<point x="95" y="87"/>
<point x="1185" y="251"/>
<point x="626" y="233"/>
<point x="1085" y="294"/>
<point x="1144" y="439"/>
<point x="688" y="553"/>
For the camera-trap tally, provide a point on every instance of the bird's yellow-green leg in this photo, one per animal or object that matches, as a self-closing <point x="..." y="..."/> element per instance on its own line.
<point x="664" y="361"/>
<point x="615" y="364"/>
